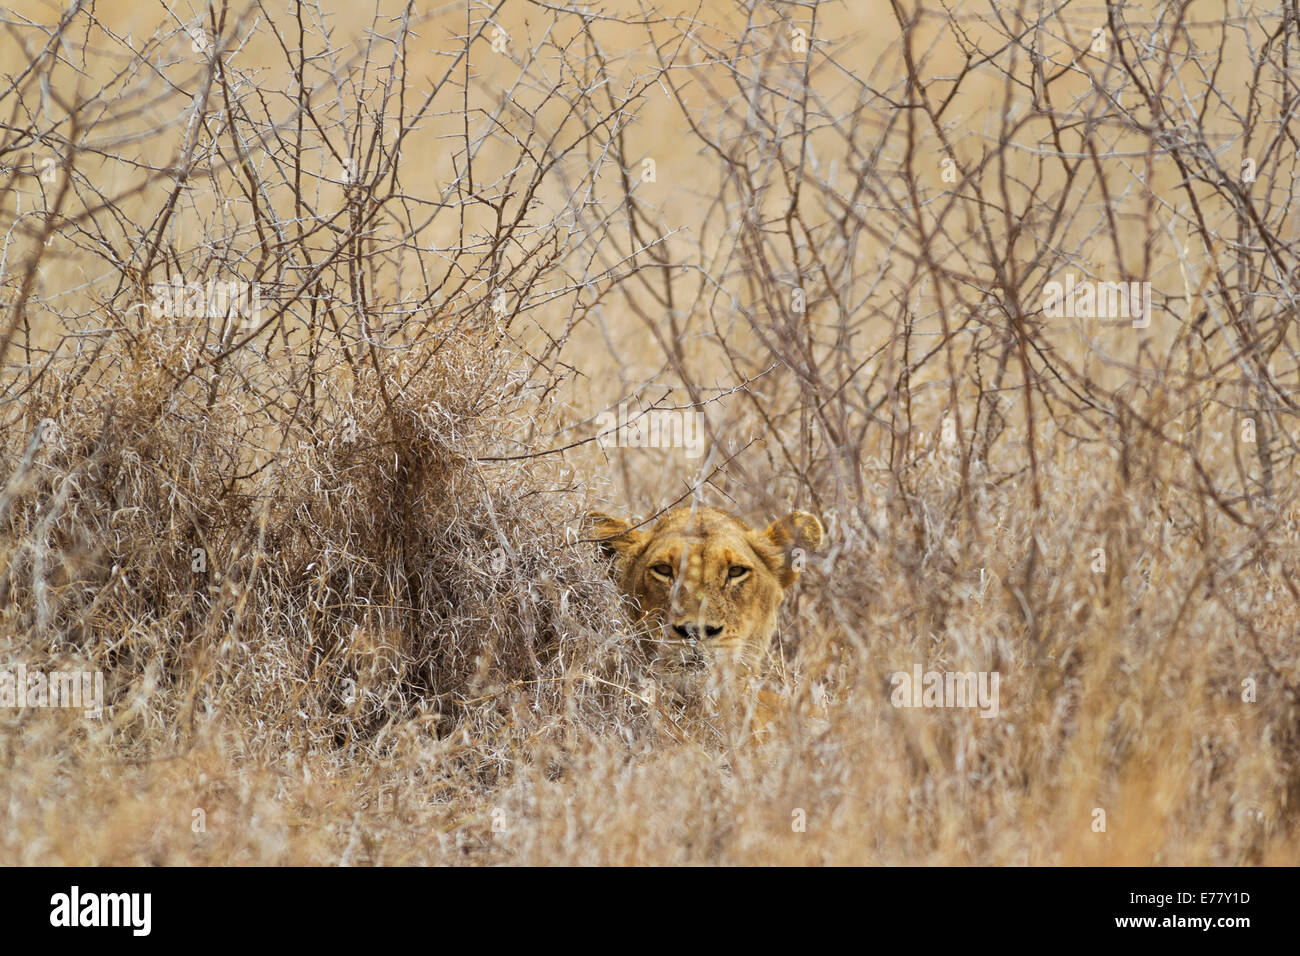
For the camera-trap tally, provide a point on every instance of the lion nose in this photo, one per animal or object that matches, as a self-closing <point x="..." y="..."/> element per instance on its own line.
<point x="691" y="632"/>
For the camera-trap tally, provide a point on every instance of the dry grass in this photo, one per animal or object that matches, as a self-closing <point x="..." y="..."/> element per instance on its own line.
<point x="331" y="560"/>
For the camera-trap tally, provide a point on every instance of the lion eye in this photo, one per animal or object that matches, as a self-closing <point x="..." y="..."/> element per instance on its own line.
<point x="663" y="570"/>
<point x="737" y="571"/>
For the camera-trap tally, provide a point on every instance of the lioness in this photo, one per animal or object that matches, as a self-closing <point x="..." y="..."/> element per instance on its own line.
<point x="708" y="583"/>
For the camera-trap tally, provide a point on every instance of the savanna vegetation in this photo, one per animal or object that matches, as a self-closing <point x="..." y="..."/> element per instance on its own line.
<point x="312" y="314"/>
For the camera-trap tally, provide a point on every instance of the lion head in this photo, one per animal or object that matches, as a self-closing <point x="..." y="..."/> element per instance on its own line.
<point x="707" y="583"/>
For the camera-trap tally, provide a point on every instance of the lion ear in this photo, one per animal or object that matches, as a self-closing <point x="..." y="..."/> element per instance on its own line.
<point x="616" y="535"/>
<point x="798" y="531"/>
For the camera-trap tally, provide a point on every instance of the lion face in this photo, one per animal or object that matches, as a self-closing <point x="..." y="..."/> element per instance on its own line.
<point x="708" y="583"/>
